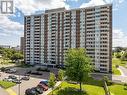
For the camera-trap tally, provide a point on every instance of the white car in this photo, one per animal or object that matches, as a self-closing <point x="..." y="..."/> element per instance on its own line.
<point x="8" y="79"/>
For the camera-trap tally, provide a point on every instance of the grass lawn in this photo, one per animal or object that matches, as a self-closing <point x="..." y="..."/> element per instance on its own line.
<point x="91" y="87"/>
<point x="115" y="62"/>
<point x="115" y="70"/>
<point x="117" y="90"/>
<point x="5" y="84"/>
<point x="73" y="89"/>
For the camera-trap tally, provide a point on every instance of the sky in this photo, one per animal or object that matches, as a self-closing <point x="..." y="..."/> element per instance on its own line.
<point x="12" y="26"/>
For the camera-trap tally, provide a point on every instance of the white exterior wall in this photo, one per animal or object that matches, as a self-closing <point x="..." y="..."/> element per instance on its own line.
<point x="32" y="40"/>
<point x="49" y="39"/>
<point x="82" y="28"/>
<point x="97" y="38"/>
<point x="42" y="39"/>
<point x="73" y="29"/>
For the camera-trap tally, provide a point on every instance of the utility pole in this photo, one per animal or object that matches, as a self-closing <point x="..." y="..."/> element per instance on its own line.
<point x="19" y="86"/>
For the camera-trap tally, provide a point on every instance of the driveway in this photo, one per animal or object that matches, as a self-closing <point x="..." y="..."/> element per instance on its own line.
<point x="123" y="70"/>
<point x="119" y="79"/>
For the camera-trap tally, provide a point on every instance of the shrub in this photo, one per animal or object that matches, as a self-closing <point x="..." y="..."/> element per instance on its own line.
<point x="125" y="86"/>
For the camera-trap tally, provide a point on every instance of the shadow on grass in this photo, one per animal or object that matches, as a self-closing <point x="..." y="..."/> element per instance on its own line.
<point x="71" y="91"/>
<point x="92" y="81"/>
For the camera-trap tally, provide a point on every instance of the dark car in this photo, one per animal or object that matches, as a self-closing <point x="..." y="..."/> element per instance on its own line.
<point x="25" y="78"/>
<point x="26" y="74"/>
<point x="12" y="77"/>
<point x="31" y="92"/>
<point x="38" y="89"/>
<point x="36" y="73"/>
<point x="43" y="86"/>
<point x="45" y="82"/>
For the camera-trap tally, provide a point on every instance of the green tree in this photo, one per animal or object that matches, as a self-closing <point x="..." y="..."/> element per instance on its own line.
<point x="124" y="56"/>
<point x="16" y="56"/>
<point x="51" y="82"/>
<point x="118" y="55"/>
<point x="60" y="75"/>
<point x="77" y="65"/>
<point x="118" y="49"/>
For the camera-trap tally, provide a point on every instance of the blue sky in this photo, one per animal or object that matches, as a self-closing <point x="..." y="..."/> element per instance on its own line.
<point x="11" y="26"/>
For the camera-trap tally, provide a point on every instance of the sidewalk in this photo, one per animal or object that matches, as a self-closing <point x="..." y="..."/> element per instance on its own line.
<point x="50" y="89"/>
<point x="123" y="70"/>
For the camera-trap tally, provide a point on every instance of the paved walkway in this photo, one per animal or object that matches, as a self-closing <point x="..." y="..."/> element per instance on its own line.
<point x="122" y="77"/>
<point x="3" y="92"/>
<point x="49" y="90"/>
<point x="123" y="70"/>
<point x="10" y="91"/>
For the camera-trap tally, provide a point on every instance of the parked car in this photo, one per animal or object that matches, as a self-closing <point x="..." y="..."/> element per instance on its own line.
<point x="38" y="90"/>
<point x="3" y="69"/>
<point x="25" y="78"/>
<point x="8" y="79"/>
<point x="26" y="74"/>
<point x="45" y="82"/>
<point x="43" y="69"/>
<point x="43" y="86"/>
<point x="10" y="71"/>
<point x="16" y="81"/>
<point x="31" y="92"/>
<point x="36" y="73"/>
<point x="12" y="77"/>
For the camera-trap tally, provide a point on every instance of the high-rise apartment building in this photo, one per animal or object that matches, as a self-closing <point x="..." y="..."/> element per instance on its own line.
<point x="49" y="35"/>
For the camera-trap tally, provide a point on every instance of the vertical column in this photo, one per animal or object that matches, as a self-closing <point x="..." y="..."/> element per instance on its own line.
<point x="58" y="40"/>
<point x="32" y="41"/>
<point x="45" y="38"/>
<point x="73" y="29"/>
<point x="42" y="40"/>
<point x="97" y="38"/>
<point x="62" y="39"/>
<point x="77" y="28"/>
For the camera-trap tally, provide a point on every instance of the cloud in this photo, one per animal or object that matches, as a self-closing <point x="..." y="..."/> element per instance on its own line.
<point x="9" y="28"/>
<point x="116" y="3"/>
<point x="31" y="6"/>
<point x="93" y="3"/>
<point x="119" y="38"/>
<point x="73" y="0"/>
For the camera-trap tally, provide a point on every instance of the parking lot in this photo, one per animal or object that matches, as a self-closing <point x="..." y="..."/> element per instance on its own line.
<point x="33" y="82"/>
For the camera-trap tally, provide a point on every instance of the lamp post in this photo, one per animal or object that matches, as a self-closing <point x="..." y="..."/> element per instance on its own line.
<point x="19" y="86"/>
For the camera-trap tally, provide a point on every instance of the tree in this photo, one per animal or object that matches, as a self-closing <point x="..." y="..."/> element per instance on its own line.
<point x="16" y="56"/>
<point x="118" y="49"/>
<point x="51" y="82"/>
<point x="124" y="56"/>
<point x="77" y="65"/>
<point x="118" y="55"/>
<point x="60" y="75"/>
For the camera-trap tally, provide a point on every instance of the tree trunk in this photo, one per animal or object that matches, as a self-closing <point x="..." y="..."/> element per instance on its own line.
<point x="52" y="90"/>
<point x="80" y="86"/>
